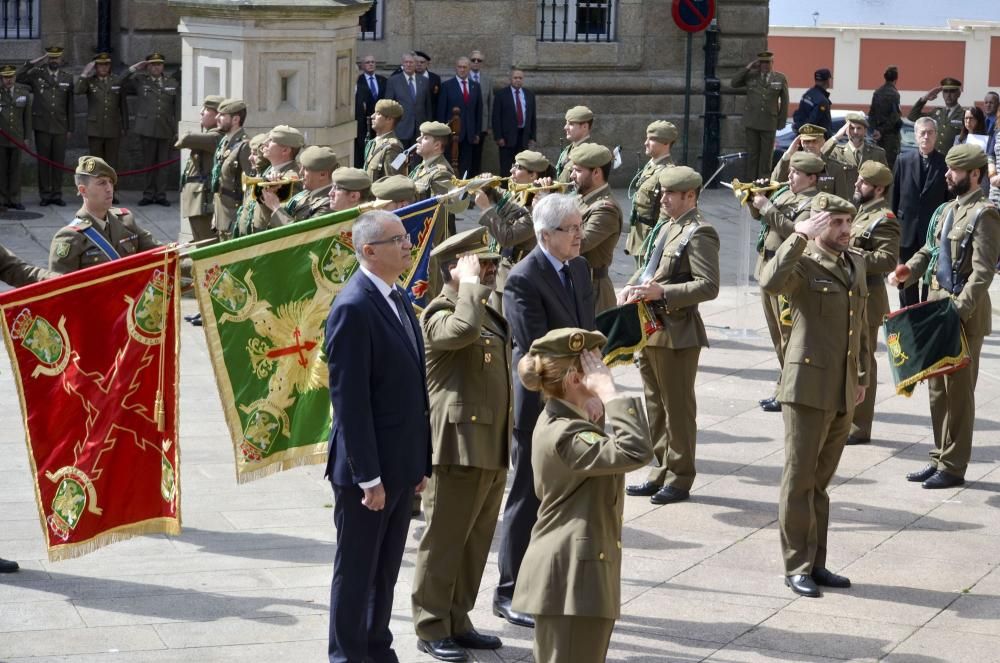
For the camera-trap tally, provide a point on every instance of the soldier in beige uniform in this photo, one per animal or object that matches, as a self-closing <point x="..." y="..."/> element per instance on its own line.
<point x="680" y="270"/>
<point x="824" y="378"/>
<point x="949" y="119"/>
<point x="281" y="149"/>
<point x="351" y="187"/>
<point x="856" y="151"/>
<point x="467" y="344"/>
<point x="644" y="189"/>
<point x="579" y="123"/>
<point x="231" y="162"/>
<point x="397" y="189"/>
<point x="157" y="106"/>
<point x="570" y="579"/>
<point x="107" y="109"/>
<point x="100" y="232"/>
<point x="778" y="214"/>
<point x="381" y="151"/>
<point x="317" y="164"/>
<point x="602" y="218"/>
<point x="15" y="119"/>
<point x="765" y="112"/>
<point x="258" y="164"/>
<point x="833" y="179"/>
<point x="963" y="268"/>
<point x="196" y="186"/>
<point x="875" y="232"/>
<point x="53" y="118"/>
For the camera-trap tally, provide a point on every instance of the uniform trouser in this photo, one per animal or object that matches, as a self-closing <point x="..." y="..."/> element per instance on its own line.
<point x="668" y="377"/>
<point x="10" y="176"/>
<point x="814" y="441"/>
<point x="571" y="639"/>
<point x="777" y="331"/>
<point x="154" y="151"/>
<point x="53" y="148"/>
<point x="864" y="413"/>
<point x="953" y="413"/>
<point x="461" y="505"/>
<point x="201" y="227"/>
<point x="890" y="143"/>
<point x="105" y="148"/>
<point x="519" y="515"/>
<point x="760" y="145"/>
<point x="604" y="291"/>
<point x="224" y="218"/>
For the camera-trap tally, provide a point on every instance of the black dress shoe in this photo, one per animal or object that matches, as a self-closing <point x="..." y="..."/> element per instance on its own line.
<point x="58" y="201"/>
<point x="197" y="322"/>
<point x="194" y="319"/>
<point x="669" y="495"/>
<point x="644" y="489"/>
<point x="827" y="578"/>
<point x="503" y="609"/>
<point x="942" y="479"/>
<point x="162" y="201"/>
<point x="922" y="475"/>
<point x="18" y="206"/>
<point x="145" y="201"/>
<point x="476" y="640"/>
<point x="803" y="585"/>
<point x="8" y="566"/>
<point x="765" y="400"/>
<point x="771" y="406"/>
<point x="43" y="203"/>
<point x="443" y="650"/>
<point x="852" y="440"/>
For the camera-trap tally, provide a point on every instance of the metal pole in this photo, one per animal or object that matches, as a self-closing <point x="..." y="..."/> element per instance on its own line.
<point x="103" y="26"/>
<point x="711" y="140"/>
<point x="687" y="98"/>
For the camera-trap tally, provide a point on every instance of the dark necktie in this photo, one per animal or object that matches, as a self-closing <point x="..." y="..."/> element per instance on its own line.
<point x="519" y="109"/>
<point x="944" y="271"/>
<point x="465" y="91"/>
<point x="373" y="86"/>
<point x="413" y="89"/>
<point x="567" y="280"/>
<point x="924" y="167"/>
<point x="404" y="318"/>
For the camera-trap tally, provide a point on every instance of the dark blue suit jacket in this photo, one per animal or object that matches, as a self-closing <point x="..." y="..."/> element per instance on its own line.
<point x="378" y="391"/>
<point x="505" y="117"/>
<point x="472" y="112"/>
<point x="913" y="204"/>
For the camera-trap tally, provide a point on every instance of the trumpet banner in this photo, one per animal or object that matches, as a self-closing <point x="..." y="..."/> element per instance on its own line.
<point x="94" y="356"/>
<point x="627" y="329"/>
<point x="925" y="340"/>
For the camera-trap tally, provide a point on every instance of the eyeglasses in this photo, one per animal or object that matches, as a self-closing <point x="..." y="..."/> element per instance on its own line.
<point x="475" y="59"/>
<point x="571" y="230"/>
<point x="398" y="240"/>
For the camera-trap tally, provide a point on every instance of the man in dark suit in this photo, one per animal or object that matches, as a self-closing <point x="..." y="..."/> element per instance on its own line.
<point x="918" y="187"/>
<point x="465" y="94"/>
<point x="513" y="120"/>
<point x="380" y="448"/>
<point x="369" y="88"/>
<point x="549" y="289"/>
<point x="421" y="63"/>
<point x="411" y="91"/>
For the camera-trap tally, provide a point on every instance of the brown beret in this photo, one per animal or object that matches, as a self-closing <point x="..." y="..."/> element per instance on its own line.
<point x="438" y="129"/>
<point x="287" y="136"/>
<point x="591" y="155"/>
<point x="533" y="161"/>
<point x="232" y="106"/>
<point x="680" y="178"/>
<point x="827" y="202"/>
<point x="351" y="179"/>
<point x="662" y="131"/>
<point x="808" y="163"/>
<point x="966" y="157"/>
<point x="96" y="167"/>
<point x="319" y="158"/>
<point x="567" y="342"/>
<point x="212" y="101"/>
<point x="857" y="118"/>
<point x="397" y="188"/>
<point x="579" y="114"/>
<point x="389" y="108"/>
<point x="875" y="173"/>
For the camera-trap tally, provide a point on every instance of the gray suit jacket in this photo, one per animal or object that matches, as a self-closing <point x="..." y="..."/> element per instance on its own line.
<point x="486" y="84"/>
<point x="415" y="111"/>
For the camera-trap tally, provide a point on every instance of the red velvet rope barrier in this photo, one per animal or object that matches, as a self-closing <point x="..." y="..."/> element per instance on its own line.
<point x="66" y="169"/>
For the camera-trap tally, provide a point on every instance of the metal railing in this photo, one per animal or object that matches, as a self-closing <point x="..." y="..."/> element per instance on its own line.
<point x="577" y="20"/>
<point x="19" y="19"/>
<point x="370" y="23"/>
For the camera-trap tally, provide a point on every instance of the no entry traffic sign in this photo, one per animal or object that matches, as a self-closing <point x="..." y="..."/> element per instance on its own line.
<point x="693" y="15"/>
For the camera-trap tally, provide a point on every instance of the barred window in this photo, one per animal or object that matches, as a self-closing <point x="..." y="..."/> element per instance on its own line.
<point x="19" y="19"/>
<point x="370" y="23"/>
<point x="576" y="20"/>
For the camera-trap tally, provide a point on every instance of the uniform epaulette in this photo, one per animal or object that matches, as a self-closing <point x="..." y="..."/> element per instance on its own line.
<point x="119" y="211"/>
<point x="889" y="214"/>
<point x="79" y="224"/>
<point x="856" y="251"/>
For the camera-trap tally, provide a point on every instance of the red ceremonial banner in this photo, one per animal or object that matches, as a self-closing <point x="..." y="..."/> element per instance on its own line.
<point x="94" y="354"/>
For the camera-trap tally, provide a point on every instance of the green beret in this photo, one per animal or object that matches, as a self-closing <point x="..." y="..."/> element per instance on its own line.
<point x="397" y="188"/>
<point x="287" y="136"/>
<point x="680" y="178"/>
<point x="765" y="56"/>
<point x="438" y="129"/>
<point x="96" y="167"/>
<point x="351" y="179"/>
<point x="473" y="241"/>
<point x="567" y="342"/>
<point x="812" y="132"/>
<point x="155" y="58"/>
<point x="319" y="157"/>
<point x="875" y="173"/>
<point x="8" y="70"/>
<point x="102" y="58"/>
<point x="213" y="101"/>
<point x="808" y="163"/>
<point x="54" y="51"/>
<point x="662" y="131"/>
<point x="232" y="106"/>
<point x="257" y="142"/>
<point x="533" y="161"/>
<point x="827" y="202"/>
<point x="579" y="114"/>
<point x="966" y="157"/>
<point x="389" y="108"/>
<point x="591" y="155"/>
<point x="949" y="83"/>
<point x="857" y="118"/>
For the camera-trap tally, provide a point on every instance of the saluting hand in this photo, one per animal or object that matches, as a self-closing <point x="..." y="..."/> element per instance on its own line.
<point x="374" y="498"/>
<point x="467" y="267"/>
<point x="814" y="226"/>
<point x="933" y="93"/>
<point x="597" y="376"/>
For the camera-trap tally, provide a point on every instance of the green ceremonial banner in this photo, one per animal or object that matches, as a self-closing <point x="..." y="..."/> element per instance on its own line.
<point x="925" y="340"/>
<point x="264" y="301"/>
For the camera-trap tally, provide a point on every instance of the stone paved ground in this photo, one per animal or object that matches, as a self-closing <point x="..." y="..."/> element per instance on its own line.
<point x="248" y="579"/>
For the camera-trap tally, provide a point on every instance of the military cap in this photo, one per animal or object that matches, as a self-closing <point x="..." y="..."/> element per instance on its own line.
<point x="680" y="178"/>
<point x="827" y="202"/>
<point x="351" y="179"/>
<point x="155" y="58"/>
<point x="966" y="157"/>
<point x="949" y="83"/>
<point x="474" y="241"/>
<point x="96" y="167"/>
<point x="591" y="155"/>
<point x="875" y="173"/>
<point x="567" y="342"/>
<point x="318" y="157"/>
<point x="765" y="56"/>
<point x="438" y="129"/>
<point x="397" y="188"/>
<point x="102" y="58"/>
<point x="212" y="101"/>
<point x="533" y="161"/>
<point x="257" y="142"/>
<point x="812" y="132"/>
<point x="822" y="74"/>
<point x="232" y="106"/>
<point x="8" y="70"/>
<point x="808" y="163"/>
<point x="857" y="118"/>
<point x="662" y="131"/>
<point x="579" y="114"/>
<point x="421" y="54"/>
<point x="287" y="136"/>
<point x="54" y="51"/>
<point x="389" y="108"/>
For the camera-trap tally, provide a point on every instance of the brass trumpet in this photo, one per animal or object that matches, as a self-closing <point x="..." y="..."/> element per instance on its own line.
<point x="562" y="187"/>
<point x="287" y="187"/>
<point x="745" y="190"/>
<point x="486" y="182"/>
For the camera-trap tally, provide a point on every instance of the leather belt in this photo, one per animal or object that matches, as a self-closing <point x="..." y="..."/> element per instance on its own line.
<point x="229" y="193"/>
<point x="599" y="272"/>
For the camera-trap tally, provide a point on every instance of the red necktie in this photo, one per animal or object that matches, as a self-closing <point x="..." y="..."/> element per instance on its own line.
<point x="465" y="91"/>
<point x="520" y="111"/>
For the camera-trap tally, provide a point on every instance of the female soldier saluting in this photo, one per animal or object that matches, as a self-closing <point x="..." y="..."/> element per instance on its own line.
<point x="571" y="574"/>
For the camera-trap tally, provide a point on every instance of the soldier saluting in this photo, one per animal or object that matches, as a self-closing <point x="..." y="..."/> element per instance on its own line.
<point x="52" y="116"/>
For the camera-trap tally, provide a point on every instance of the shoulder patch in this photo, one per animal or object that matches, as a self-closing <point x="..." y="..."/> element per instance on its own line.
<point x="590" y="437"/>
<point x="62" y="249"/>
